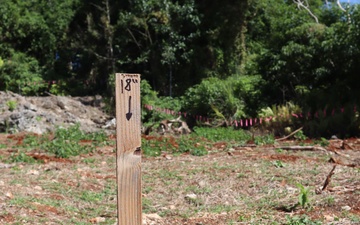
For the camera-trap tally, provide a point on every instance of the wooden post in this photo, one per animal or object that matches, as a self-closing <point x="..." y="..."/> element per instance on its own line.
<point x="128" y="144"/>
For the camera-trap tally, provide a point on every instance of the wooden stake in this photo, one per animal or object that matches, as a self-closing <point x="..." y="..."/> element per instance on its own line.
<point x="128" y="144"/>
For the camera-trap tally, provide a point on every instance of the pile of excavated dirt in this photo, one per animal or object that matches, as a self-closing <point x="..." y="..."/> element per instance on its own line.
<point x="44" y="114"/>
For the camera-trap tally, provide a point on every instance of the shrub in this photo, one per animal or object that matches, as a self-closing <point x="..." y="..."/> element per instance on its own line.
<point x="214" y="97"/>
<point x="342" y="124"/>
<point x="21" y="74"/>
<point x="282" y="118"/>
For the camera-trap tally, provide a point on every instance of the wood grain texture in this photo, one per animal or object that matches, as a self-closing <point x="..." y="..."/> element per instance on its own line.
<point x="128" y="144"/>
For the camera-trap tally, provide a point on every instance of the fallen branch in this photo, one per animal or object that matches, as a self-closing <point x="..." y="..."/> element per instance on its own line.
<point x="302" y="148"/>
<point x="328" y="178"/>
<point x="344" y="144"/>
<point x="345" y="161"/>
<point x="286" y="137"/>
<point x="342" y="190"/>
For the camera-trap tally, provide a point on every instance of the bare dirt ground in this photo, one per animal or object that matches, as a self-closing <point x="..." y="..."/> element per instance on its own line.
<point x="231" y="185"/>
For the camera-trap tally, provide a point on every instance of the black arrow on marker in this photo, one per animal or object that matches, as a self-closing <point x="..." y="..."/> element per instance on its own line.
<point x="129" y="114"/>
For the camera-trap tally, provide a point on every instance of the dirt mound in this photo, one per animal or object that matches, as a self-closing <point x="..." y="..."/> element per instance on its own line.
<point x="44" y="114"/>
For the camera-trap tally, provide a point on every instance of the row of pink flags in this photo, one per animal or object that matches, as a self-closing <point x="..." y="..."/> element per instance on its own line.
<point x="253" y="121"/>
<point x="46" y="82"/>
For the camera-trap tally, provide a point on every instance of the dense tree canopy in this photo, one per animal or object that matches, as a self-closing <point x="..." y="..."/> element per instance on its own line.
<point x="241" y="55"/>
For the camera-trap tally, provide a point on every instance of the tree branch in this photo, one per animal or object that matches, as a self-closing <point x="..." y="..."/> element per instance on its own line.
<point x="300" y="4"/>
<point x="340" y="6"/>
<point x="284" y="138"/>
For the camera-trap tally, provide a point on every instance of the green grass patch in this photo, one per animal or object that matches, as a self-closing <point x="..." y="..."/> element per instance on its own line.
<point x="67" y="142"/>
<point x="222" y="134"/>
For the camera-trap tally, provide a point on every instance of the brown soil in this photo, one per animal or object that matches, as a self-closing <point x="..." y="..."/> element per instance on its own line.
<point x="249" y="185"/>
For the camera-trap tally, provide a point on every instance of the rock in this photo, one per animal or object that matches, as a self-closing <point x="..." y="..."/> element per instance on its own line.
<point x="44" y="114"/>
<point x="9" y="195"/>
<point x="97" y="220"/>
<point x="29" y="106"/>
<point x="153" y="216"/>
<point x="191" y="197"/>
<point x="329" y="218"/>
<point x="202" y="184"/>
<point x="151" y="219"/>
<point x="33" y="172"/>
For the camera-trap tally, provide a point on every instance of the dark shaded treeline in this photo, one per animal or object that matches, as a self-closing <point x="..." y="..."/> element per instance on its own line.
<point x="286" y="52"/>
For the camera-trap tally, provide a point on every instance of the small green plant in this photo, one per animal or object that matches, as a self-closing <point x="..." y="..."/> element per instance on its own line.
<point x="11" y="104"/>
<point x="323" y="142"/>
<point x="330" y="200"/>
<point x="279" y="164"/>
<point x="300" y="136"/>
<point x="90" y="196"/>
<point x="21" y="157"/>
<point x="88" y="161"/>
<point x="199" y="151"/>
<point x="264" y="139"/>
<point x="304" y="220"/>
<point x="303" y="196"/>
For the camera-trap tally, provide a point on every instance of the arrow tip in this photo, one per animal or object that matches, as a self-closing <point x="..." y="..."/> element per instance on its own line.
<point x="128" y="116"/>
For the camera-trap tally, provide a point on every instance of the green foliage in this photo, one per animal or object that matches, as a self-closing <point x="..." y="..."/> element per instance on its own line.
<point x="199" y="151"/>
<point x="20" y="74"/>
<point x="222" y="134"/>
<point x="342" y="124"/>
<point x="155" y="146"/>
<point x="303" y="196"/>
<point x="279" y="164"/>
<point x="21" y="157"/>
<point x="230" y="58"/>
<point x="300" y="136"/>
<point x="192" y="144"/>
<point x="158" y="113"/>
<point x="185" y="144"/>
<point x="57" y="89"/>
<point x="67" y="142"/>
<point x="282" y="118"/>
<point x="11" y="104"/>
<point x="31" y="33"/>
<point x="264" y="139"/>
<point x="303" y="220"/>
<point x="219" y="98"/>
<point x="160" y="36"/>
<point x="323" y="142"/>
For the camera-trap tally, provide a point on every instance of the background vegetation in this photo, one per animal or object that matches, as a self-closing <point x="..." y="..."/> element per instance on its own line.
<point x="229" y="59"/>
